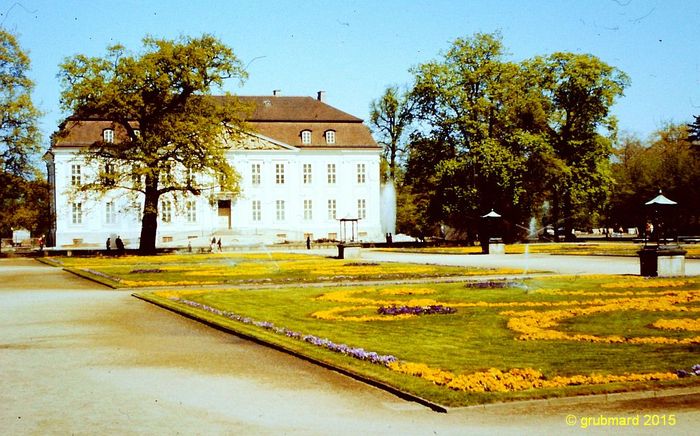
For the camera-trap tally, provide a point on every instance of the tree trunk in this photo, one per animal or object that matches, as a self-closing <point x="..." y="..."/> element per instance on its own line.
<point x="555" y="214"/>
<point x="149" y="222"/>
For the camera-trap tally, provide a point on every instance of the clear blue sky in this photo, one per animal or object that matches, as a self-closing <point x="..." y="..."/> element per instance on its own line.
<point x="354" y="49"/>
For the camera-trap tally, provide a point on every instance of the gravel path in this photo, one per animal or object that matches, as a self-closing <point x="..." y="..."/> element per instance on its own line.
<point x="76" y="358"/>
<point x="529" y="263"/>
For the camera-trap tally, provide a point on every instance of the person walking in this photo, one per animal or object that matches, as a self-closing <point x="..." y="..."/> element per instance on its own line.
<point x="108" y="244"/>
<point x="120" y="245"/>
<point x="218" y="244"/>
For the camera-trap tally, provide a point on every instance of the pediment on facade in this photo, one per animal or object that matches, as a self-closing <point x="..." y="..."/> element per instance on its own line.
<point x="254" y="141"/>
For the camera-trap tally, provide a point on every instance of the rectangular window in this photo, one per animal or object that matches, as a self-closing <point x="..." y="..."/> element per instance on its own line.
<point x="255" y="173"/>
<point x="308" y="207"/>
<point x="77" y="213"/>
<point x="257" y="210"/>
<point x="165" y="174"/>
<point x="108" y="135"/>
<point x="331" y="209"/>
<point x="280" y="210"/>
<point x="75" y="179"/>
<point x="307" y="174"/>
<point x="361" y="173"/>
<point x="191" y="177"/>
<point x="279" y="174"/>
<point x="110" y="213"/>
<point x="361" y="209"/>
<point x="331" y="173"/>
<point x="191" y="211"/>
<point x="166" y="211"/>
<point x="109" y="177"/>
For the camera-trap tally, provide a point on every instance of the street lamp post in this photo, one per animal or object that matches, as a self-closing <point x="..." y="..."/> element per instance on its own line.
<point x="661" y="255"/>
<point x="492" y="243"/>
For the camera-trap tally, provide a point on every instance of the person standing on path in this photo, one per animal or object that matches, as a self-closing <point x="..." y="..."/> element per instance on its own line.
<point x="120" y="245"/>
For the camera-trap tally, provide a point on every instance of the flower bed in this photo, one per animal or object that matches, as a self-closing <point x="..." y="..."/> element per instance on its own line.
<point x="538" y="325"/>
<point x="546" y="338"/>
<point x="694" y="371"/>
<point x="394" y="310"/>
<point x="517" y="379"/>
<point x="491" y="380"/>
<point x="354" y="352"/>
<point x="146" y="271"/>
<point x="493" y="284"/>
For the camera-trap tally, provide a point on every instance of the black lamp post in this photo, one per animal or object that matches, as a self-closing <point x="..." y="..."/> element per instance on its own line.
<point x="657" y="229"/>
<point x="660" y="259"/>
<point x="491" y="230"/>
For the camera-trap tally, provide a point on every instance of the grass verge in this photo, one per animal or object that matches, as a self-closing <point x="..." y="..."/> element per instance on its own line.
<point x="541" y="338"/>
<point x="250" y="269"/>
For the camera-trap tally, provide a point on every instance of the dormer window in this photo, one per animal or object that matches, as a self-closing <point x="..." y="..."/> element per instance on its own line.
<point x="330" y="136"/>
<point x="108" y="135"/>
<point x="306" y="137"/>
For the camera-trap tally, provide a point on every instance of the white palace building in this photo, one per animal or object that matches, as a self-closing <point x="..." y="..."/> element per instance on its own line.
<point x="304" y="167"/>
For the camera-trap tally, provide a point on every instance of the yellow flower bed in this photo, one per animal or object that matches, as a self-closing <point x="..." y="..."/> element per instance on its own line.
<point x="645" y="284"/>
<point x="241" y="269"/>
<point x="407" y="291"/>
<point x="336" y="314"/>
<point x="373" y="299"/>
<point x="141" y="283"/>
<point x="534" y="325"/>
<point x="678" y="324"/>
<point x="170" y="294"/>
<point x="348" y="296"/>
<point x="517" y="379"/>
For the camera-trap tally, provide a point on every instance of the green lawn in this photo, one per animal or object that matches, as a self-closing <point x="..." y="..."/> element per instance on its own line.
<point x="602" y="327"/>
<point x="249" y="268"/>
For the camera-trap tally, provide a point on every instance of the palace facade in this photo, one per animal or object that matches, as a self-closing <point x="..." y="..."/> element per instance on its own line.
<point x="304" y="168"/>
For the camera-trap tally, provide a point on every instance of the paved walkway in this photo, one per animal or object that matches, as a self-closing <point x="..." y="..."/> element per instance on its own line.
<point x="76" y="358"/>
<point x="526" y="262"/>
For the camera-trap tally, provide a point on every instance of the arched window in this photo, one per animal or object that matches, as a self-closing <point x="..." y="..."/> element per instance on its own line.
<point x="306" y="136"/>
<point x="330" y="136"/>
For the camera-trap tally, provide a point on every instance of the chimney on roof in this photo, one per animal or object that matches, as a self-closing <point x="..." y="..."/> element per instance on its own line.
<point x="321" y="96"/>
<point x="277" y="92"/>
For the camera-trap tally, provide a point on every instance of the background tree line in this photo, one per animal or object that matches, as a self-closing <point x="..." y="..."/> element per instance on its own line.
<point x="472" y="132"/>
<point x="531" y="139"/>
<point x="24" y="192"/>
<point x="670" y="161"/>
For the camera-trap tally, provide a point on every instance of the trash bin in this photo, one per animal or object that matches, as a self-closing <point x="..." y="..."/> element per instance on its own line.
<point x="341" y="251"/>
<point x="662" y="262"/>
<point x="648" y="262"/>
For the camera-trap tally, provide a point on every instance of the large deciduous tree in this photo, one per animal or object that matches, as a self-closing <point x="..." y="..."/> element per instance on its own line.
<point x="490" y="133"/>
<point x="581" y="89"/>
<point x="177" y="134"/>
<point x="20" y="187"/>
<point x="478" y="130"/>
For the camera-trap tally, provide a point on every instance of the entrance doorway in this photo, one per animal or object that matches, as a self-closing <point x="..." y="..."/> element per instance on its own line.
<point x="224" y="207"/>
